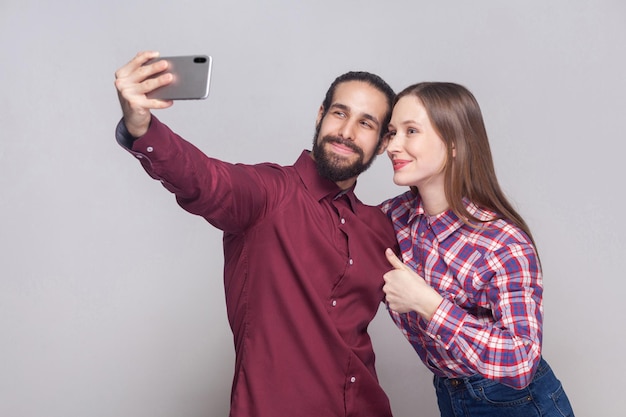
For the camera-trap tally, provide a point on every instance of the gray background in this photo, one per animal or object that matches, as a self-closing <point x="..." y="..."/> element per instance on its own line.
<point x="111" y="297"/>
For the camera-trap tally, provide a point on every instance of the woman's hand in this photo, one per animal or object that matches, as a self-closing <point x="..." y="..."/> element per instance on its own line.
<point x="406" y="291"/>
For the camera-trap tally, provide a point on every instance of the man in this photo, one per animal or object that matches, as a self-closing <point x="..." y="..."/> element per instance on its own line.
<point x="304" y="258"/>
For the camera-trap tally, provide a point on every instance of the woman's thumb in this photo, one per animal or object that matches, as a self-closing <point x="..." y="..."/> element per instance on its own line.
<point x="393" y="259"/>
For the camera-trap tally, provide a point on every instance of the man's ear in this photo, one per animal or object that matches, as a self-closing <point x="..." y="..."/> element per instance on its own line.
<point x="320" y="113"/>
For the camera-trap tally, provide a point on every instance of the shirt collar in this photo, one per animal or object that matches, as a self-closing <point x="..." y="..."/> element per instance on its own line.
<point x="318" y="186"/>
<point x="446" y="223"/>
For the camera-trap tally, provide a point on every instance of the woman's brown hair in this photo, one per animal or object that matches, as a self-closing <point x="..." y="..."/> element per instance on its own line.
<point x="457" y="118"/>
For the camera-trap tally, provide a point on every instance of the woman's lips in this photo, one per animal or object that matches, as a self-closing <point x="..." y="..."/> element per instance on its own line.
<point x="399" y="164"/>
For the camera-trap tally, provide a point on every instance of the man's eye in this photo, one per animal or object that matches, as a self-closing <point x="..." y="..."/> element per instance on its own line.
<point x="366" y="124"/>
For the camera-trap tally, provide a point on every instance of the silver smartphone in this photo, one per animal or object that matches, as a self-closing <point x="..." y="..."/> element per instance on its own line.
<point x="192" y="77"/>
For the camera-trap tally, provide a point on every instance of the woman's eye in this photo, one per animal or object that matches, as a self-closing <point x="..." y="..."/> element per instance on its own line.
<point x="411" y="131"/>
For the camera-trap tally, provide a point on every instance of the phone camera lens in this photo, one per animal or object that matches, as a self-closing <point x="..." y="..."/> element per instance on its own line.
<point x="199" y="60"/>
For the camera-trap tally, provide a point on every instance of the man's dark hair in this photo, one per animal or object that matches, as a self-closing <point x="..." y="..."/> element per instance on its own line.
<point x="371" y="79"/>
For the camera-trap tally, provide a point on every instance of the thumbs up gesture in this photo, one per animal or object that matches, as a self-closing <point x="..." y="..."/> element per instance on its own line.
<point x="406" y="291"/>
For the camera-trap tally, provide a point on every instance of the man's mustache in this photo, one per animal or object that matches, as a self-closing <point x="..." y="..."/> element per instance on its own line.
<point x="344" y="142"/>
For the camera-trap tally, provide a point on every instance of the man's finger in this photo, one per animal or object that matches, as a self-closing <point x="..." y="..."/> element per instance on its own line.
<point x="393" y="260"/>
<point x="142" y="57"/>
<point x="137" y="62"/>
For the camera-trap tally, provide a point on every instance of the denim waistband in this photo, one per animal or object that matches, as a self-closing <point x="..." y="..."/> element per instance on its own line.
<point x="479" y="380"/>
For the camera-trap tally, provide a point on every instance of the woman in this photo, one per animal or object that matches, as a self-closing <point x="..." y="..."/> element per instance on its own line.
<point x="469" y="293"/>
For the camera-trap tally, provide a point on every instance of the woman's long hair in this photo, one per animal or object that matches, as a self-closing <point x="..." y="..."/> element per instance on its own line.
<point x="456" y="117"/>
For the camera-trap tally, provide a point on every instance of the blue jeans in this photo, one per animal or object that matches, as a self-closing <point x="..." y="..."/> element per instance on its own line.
<point x="477" y="396"/>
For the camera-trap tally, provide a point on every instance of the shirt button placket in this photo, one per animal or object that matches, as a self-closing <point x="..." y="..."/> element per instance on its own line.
<point x="343" y="221"/>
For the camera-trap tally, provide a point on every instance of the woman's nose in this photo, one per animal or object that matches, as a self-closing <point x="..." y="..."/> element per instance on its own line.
<point x="393" y="145"/>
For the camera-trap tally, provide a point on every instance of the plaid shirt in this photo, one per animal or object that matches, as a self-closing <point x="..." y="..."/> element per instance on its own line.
<point x="490" y="321"/>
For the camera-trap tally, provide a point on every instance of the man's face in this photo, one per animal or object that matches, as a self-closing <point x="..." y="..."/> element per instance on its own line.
<point x="346" y="137"/>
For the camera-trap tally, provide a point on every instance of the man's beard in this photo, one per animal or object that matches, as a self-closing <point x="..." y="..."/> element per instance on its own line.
<point x="336" y="168"/>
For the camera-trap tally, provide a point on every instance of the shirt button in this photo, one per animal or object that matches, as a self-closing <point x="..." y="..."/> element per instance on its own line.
<point x="353" y="379"/>
<point x="351" y="262"/>
<point x="343" y="221"/>
<point x="139" y="156"/>
<point x="149" y="149"/>
<point x="422" y="234"/>
<point x="333" y="303"/>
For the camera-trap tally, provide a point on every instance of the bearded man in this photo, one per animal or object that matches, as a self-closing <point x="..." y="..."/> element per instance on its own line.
<point x="303" y="257"/>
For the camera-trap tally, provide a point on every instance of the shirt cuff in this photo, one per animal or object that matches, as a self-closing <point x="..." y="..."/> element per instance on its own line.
<point x="122" y="136"/>
<point x="446" y="323"/>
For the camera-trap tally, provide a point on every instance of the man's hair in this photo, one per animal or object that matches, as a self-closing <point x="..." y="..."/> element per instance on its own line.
<point x="371" y="79"/>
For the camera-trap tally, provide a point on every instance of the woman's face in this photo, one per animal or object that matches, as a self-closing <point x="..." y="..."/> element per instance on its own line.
<point x="417" y="152"/>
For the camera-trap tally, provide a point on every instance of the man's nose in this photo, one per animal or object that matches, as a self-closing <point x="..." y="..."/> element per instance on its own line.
<point x="347" y="130"/>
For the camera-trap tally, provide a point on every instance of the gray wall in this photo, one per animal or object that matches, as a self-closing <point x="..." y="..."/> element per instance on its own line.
<point x="111" y="300"/>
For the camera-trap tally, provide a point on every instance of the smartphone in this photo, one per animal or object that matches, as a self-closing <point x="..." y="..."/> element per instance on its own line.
<point x="192" y="77"/>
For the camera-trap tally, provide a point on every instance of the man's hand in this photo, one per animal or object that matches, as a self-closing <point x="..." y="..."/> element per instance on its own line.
<point x="133" y="83"/>
<point x="406" y="291"/>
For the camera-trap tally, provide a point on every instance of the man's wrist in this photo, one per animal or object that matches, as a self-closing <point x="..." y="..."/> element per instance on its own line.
<point x="123" y="136"/>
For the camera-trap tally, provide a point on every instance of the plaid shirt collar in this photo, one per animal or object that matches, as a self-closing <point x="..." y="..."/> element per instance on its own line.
<point x="443" y="224"/>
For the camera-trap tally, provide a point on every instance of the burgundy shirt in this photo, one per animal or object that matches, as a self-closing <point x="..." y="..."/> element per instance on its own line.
<point x="302" y="274"/>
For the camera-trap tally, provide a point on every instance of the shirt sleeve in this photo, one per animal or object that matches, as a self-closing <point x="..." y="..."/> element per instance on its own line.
<point x="508" y="347"/>
<point x="229" y="196"/>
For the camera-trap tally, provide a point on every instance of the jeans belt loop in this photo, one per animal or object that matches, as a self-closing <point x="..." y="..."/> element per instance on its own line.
<point x="470" y="388"/>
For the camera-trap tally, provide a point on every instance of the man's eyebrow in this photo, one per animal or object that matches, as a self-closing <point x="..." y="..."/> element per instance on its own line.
<point x="340" y="106"/>
<point x="372" y="118"/>
<point x="347" y="109"/>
